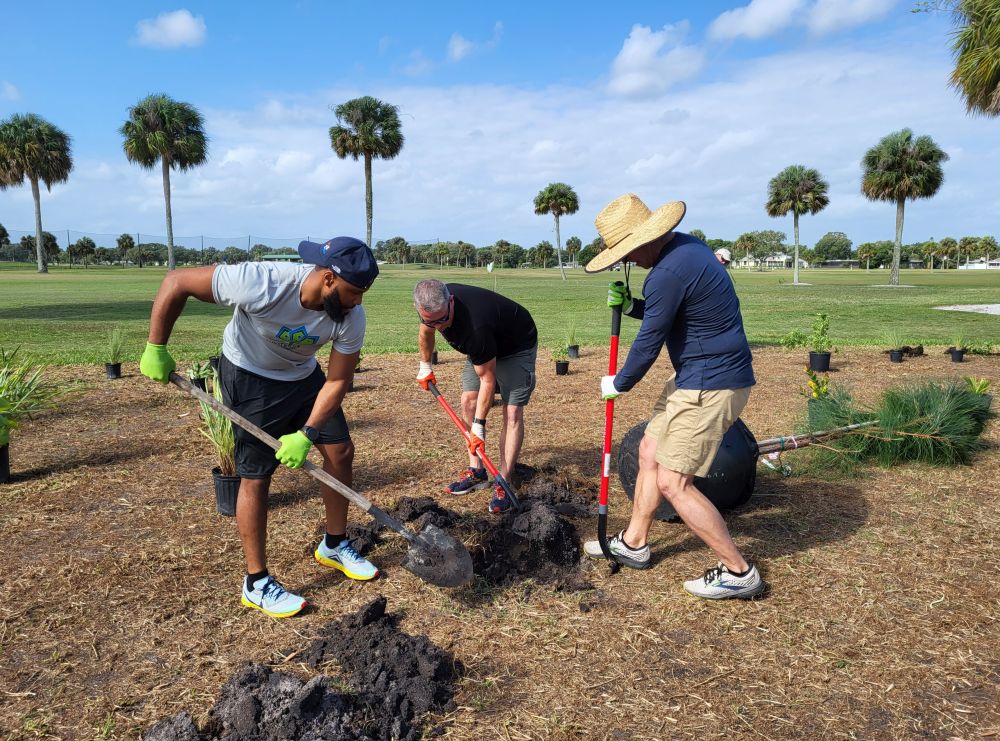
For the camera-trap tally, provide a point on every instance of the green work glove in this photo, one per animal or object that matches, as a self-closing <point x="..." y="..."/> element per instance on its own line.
<point x="294" y="449"/>
<point x="619" y="295"/>
<point x="156" y="363"/>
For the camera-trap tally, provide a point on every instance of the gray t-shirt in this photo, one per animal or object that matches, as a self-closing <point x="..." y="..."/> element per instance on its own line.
<point x="271" y="333"/>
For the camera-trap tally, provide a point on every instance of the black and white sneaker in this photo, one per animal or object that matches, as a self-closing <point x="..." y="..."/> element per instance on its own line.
<point x="720" y="583"/>
<point x="637" y="558"/>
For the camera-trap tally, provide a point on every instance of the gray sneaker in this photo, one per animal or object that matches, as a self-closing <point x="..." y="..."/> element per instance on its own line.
<point x="637" y="558"/>
<point x="720" y="583"/>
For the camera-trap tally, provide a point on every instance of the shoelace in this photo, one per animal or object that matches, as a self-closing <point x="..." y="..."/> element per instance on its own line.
<point x="713" y="573"/>
<point x="469" y="474"/>
<point x="349" y="551"/>
<point x="272" y="590"/>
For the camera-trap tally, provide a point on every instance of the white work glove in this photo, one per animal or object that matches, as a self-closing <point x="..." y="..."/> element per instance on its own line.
<point x="608" y="390"/>
<point x="425" y="375"/>
<point x="479" y="431"/>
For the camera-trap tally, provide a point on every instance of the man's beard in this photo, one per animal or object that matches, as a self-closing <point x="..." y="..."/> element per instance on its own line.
<point x="334" y="309"/>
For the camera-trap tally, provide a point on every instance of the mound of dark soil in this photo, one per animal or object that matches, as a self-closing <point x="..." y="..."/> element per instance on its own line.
<point x="395" y="679"/>
<point x="401" y="677"/>
<point x="539" y="542"/>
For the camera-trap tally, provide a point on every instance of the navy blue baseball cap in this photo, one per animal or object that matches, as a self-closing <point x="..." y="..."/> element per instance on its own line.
<point x="348" y="257"/>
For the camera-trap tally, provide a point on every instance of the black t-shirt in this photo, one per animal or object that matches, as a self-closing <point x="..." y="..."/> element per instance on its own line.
<point x="488" y="325"/>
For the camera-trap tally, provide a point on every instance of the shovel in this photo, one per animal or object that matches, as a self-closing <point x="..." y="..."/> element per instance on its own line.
<point x="494" y="472"/>
<point x="433" y="555"/>
<point x="609" y="419"/>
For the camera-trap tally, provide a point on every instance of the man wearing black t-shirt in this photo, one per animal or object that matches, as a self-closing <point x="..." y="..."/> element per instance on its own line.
<point x="501" y="342"/>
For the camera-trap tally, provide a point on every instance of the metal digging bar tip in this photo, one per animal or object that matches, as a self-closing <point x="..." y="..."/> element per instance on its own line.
<point x="493" y="471"/>
<point x="609" y="418"/>
<point x="433" y="555"/>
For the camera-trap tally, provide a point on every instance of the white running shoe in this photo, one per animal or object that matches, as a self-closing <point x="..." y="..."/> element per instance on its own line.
<point x="268" y="596"/>
<point x="720" y="583"/>
<point x="345" y="558"/>
<point x="637" y="558"/>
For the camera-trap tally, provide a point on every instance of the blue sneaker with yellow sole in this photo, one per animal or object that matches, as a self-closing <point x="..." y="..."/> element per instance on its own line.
<point x="345" y="558"/>
<point x="268" y="596"/>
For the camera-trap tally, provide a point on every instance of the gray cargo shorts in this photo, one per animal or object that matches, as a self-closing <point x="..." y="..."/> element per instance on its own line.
<point x="515" y="377"/>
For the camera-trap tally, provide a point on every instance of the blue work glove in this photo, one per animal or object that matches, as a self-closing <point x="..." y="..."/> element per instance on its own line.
<point x="619" y="295"/>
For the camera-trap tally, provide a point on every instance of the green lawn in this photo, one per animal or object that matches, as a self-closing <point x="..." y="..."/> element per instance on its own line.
<point x="63" y="317"/>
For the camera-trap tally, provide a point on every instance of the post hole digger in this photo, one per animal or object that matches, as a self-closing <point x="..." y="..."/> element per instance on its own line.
<point x="493" y="470"/>
<point x="433" y="555"/>
<point x="609" y="419"/>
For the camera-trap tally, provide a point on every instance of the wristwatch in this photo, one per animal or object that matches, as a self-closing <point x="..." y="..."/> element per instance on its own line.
<point x="312" y="433"/>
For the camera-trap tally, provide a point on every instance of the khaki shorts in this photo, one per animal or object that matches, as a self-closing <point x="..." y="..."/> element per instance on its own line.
<point x="688" y="425"/>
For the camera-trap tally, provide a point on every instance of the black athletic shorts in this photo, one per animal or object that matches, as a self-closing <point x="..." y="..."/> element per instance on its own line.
<point x="277" y="407"/>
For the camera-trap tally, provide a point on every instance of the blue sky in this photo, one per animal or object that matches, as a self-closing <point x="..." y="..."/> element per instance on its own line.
<point x="697" y="101"/>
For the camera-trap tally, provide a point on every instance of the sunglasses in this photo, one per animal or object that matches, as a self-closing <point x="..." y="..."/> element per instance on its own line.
<point x="438" y="322"/>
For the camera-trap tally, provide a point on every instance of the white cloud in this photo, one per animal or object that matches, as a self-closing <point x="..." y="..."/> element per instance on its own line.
<point x="650" y="61"/>
<point x="472" y="174"/>
<point x="419" y="65"/>
<point x="755" y="21"/>
<point x="8" y="91"/>
<point x="459" y="47"/>
<point x="832" y="15"/>
<point x="170" y="30"/>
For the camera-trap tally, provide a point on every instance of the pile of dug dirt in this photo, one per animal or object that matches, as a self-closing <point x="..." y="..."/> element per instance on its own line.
<point x="540" y="542"/>
<point x="395" y="680"/>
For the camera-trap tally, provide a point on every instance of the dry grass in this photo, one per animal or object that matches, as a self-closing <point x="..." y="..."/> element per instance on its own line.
<point x="119" y="584"/>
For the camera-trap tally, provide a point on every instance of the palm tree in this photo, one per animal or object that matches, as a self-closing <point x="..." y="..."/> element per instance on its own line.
<point x="800" y="190"/>
<point x="557" y="199"/>
<point x="987" y="247"/>
<point x="746" y="244"/>
<point x="898" y="168"/>
<point x="33" y="149"/>
<point x="161" y="129"/>
<point x="573" y="247"/>
<point x="367" y="127"/>
<point x="977" y="55"/>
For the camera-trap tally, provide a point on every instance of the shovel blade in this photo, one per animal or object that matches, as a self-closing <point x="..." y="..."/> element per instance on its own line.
<point x="438" y="558"/>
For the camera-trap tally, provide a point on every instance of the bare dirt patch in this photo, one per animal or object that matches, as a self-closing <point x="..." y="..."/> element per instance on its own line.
<point x="119" y="600"/>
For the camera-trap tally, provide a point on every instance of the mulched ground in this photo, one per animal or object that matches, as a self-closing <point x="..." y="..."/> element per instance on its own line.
<point x="119" y="594"/>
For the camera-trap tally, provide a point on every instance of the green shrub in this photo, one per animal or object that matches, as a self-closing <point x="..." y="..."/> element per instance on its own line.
<point x="218" y="430"/>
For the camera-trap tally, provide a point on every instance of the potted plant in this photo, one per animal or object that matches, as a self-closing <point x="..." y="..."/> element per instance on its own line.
<point x="572" y="349"/>
<point x="200" y="373"/>
<point x="819" y="341"/>
<point x="958" y="350"/>
<point x="895" y="348"/>
<point x="817" y="389"/>
<point x="22" y="394"/>
<point x="116" y="344"/>
<point x="213" y="360"/>
<point x="218" y="430"/>
<point x="561" y="356"/>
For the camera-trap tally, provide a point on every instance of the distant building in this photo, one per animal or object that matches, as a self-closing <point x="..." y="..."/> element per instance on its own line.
<point x="981" y="264"/>
<point x="282" y="257"/>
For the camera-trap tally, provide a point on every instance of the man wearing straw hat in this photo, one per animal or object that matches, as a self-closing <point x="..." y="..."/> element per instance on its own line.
<point x="691" y="306"/>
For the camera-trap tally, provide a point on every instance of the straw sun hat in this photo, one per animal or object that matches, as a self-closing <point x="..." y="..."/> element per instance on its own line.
<point x="626" y="224"/>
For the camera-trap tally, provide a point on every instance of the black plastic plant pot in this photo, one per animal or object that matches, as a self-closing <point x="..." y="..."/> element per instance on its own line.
<point x="562" y="367"/>
<point x="114" y="370"/>
<point x="227" y="488"/>
<point x="819" y="361"/>
<point x="214" y="362"/>
<point x="957" y="356"/>
<point x="434" y="357"/>
<point x="199" y="383"/>
<point x="4" y="464"/>
<point x="895" y="356"/>
<point x="573" y="351"/>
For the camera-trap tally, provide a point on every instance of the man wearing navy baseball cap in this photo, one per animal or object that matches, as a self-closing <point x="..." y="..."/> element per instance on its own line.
<point x="268" y="373"/>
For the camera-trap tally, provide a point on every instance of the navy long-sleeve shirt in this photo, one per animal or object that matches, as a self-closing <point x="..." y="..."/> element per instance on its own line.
<point x="691" y="306"/>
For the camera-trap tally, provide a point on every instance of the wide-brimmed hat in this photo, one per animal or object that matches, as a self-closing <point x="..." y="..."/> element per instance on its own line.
<point x="626" y="224"/>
